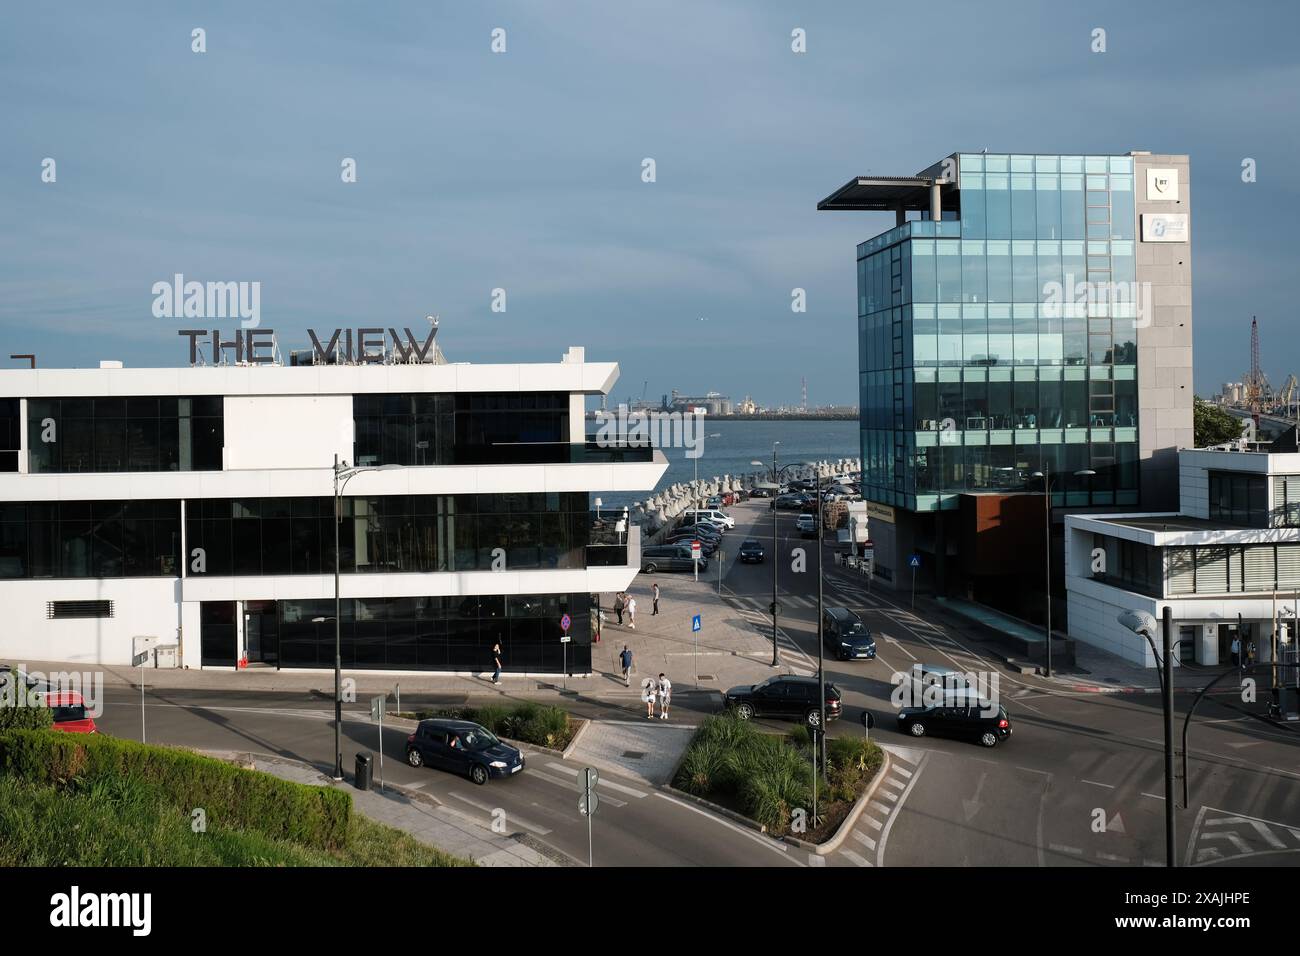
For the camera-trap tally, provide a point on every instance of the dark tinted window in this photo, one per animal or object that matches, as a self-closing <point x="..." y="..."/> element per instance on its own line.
<point x="125" y="434"/>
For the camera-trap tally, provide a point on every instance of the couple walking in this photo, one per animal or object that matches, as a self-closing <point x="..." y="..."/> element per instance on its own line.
<point x="624" y="602"/>
<point x="661" y="690"/>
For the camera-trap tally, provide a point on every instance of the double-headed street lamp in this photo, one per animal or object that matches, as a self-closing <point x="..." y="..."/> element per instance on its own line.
<point x="343" y="473"/>
<point x="1047" y="511"/>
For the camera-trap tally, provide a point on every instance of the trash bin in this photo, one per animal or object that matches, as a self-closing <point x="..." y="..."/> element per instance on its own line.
<point x="364" y="772"/>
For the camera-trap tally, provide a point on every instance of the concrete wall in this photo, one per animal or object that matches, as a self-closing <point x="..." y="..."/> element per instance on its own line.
<point x="1164" y="336"/>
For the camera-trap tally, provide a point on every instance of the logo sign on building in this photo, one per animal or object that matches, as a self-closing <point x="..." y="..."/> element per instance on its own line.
<point x="880" y="512"/>
<point x="1162" y="185"/>
<point x="1164" y="227"/>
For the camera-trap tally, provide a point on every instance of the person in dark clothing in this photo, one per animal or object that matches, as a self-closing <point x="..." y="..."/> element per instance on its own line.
<point x="496" y="659"/>
<point x="618" y="607"/>
<point x="654" y="596"/>
<point x="625" y="659"/>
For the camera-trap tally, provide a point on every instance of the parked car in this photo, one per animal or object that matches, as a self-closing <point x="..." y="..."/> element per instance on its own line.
<point x="70" y="713"/>
<point x="751" y="552"/>
<point x="671" y="557"/>
<point x="707" y="547"/>
<point x="715" y="514"/>
<point x="760" y="493"/>
<point x="844" y="632"/>
<point x="703" y="531"/>
<point x="789" y="502"/>
<point x="714" y="503"/>
<point x="788" y="696"/>
<point x="807" y="525"/>
<point x="964" y="715"/>
<point x="462" y="747"/>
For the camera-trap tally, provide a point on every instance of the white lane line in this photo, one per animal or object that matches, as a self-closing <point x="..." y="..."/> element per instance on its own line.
<point x="1058" y="848"/>
<point x="1108" y="786"/>
<point x="901" y="770"/>
<point x="889" y="796"/>
<point x="513" y="817"/>
<point x="865" y="840"/>
<point x="893" y="782"/>
<point x="1113" y="858"/>
<point x="872" y="822"/>
<point x="857" y="860"/>
<point x="1153" y="796"/>
<point x="883" y="808"/>
<point x="600" y="783"/>
<point x="760" y="840"/>
<point x="884" y="835"/>
<point x="568" y="785"/>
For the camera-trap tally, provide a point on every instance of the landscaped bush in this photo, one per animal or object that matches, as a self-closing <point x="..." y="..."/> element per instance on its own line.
<point x="768" y="777"/>
<point x="32" y="715"/>
<point x="236" y="798"/>
<point x="532" y="723"/>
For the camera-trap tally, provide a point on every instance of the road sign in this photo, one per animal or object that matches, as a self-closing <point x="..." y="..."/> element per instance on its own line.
<point x="377" y="707"/>
<point x="695" y="623"/>
<point x="773" y="608"/>
<point x="590" y="777"/>
<point x="566" y="622"/>
<point x="565" y="639"/>
<point x="588" y="804"/>
<point x="914" y="561"/>
<point x="867" y="720"/>
<point x="137" y="660"/>
<point x="695" y="550"/>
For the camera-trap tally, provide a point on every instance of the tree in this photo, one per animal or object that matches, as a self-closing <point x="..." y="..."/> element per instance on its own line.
<point x="1211" y="425"/>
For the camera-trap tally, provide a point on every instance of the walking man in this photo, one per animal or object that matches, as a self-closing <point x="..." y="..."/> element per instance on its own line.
<point x="618" y="607"/>
<point x="648" y="690"/>
<point x="496" y="659"/>
<point x="1250" y="653"/>
<point x="631" y="612"/>
<point x="1236" y="651"/>
<point x="625" y="659"/>
<point x="665" y="695"/>
<point x="654" y="597"/>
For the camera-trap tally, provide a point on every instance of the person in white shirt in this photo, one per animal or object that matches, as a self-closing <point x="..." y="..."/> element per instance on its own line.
<point x="648" y="690"/>
<point x="631" y="612"/>
<point x="665" y="696"/>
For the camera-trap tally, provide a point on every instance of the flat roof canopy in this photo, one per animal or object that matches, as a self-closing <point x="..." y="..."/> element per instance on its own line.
<point x="881" y="194"/>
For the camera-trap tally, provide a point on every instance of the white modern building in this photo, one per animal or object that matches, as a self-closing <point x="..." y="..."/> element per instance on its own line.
<point x="1227" y="563"/>
<point x="190" y="512"/>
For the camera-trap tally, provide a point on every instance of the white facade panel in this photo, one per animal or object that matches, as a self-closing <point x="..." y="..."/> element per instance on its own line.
<point x="287" y="431"/>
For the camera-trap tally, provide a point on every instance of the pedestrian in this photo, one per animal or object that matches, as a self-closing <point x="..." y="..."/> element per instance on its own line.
<point x="618" y="607"/>
<point x="631" y="612"/>
<point x="625" y="659"/>
<point x="1250" y="653"/>
<point x="654" y="597"/>
<point x="1236" y="651"/>
<point x="665" y="695"/>
<point x="496" y="659"/>
<point x="648" y="691"/>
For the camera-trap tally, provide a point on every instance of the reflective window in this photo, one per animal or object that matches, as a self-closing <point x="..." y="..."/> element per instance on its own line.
<point x="125" y="434"/>
<point x="90" y="539"/>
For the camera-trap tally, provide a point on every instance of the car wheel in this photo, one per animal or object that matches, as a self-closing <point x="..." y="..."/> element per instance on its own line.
<point x="478" y="773"/>
<point x="918" y="729"/>
<point x="413" y="758"/>
<point x="649" y="569"/>
<point x="989" y="739"/>
<point x="745" y="711"/>
<point x="814" y="718"/>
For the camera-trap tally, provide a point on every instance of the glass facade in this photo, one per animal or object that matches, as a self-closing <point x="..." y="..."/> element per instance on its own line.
<point x="90" y="539"/>
<point x="125" y="434"/>
<point x="434" y="633"/>
<point x="1004" y="342"/>
<point x="393" y="533"/>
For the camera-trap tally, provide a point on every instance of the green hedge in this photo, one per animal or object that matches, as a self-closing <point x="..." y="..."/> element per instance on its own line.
<point x="242" y="799"/>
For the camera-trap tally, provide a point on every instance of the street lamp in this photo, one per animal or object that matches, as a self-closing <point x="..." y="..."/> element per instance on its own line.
<point x="776" y="480"/>
<point x="343" y="473"/>
<point x="1047" y="510"/>
<point x="1141" y="622"/>
<point x="821" y="673"/>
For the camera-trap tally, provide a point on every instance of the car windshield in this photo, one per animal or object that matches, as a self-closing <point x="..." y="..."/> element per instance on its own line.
<point x="480" y="738"/>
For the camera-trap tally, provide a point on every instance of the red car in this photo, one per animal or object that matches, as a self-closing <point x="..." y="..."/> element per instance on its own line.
<point x="70" y="713"/>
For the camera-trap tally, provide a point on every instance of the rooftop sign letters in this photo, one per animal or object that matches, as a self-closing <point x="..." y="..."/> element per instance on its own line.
<point x="366" y="346"/>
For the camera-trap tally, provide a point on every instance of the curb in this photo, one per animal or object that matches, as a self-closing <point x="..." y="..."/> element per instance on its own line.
<point x="564" y="755"/>
<point x="846" y="825"/>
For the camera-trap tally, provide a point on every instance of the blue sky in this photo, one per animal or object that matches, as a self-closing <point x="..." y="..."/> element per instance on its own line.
<point x="522" y="170"/>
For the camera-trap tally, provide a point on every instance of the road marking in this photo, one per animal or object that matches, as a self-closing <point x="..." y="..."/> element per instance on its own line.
<point x="903" y="770"/>
<point x="1108" y="786"/>
<point x="884" y="834"/>
<point x="857" y="860"/>
<point x="489" y="810"/>
<point x="872" y="822"/>
<point x="760" y="840"/>
<point x="883" y="808"/>
<point x="865" y="840"/>
<point x="1153" y="796"/>
<point x="568" y="785"/>
<point x="573" y="772"/>
<point x="900" y="784"/>
<point x="889" y="796"/>
<point x="1058" y="848"/>
<point x="1113" y="858"/>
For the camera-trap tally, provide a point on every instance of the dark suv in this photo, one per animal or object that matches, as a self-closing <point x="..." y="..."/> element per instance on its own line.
<point x="846" y="635"/>
<point x="463" y="747"/>
<point x="960" y="715"/>
<point x="788" y="696"/>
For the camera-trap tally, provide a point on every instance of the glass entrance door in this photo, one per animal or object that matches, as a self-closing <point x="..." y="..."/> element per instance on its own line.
<point x="262" y="632"/>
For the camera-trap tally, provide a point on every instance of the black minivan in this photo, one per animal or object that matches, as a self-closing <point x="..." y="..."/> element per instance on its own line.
<point x="789" y="696"/>
<point x="844" y="632"/>
<point x="671" y="557"/>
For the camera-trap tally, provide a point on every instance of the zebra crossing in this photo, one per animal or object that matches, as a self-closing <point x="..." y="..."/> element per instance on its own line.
<point x="758" y="615"/>
<point x="866" y="842"/>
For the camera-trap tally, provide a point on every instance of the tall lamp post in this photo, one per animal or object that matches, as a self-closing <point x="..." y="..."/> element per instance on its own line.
<point x="343" y="473"/>
<point x="776" y="481"/>
<point x="1141" y="622"/>
<point x="1047" y="511"/>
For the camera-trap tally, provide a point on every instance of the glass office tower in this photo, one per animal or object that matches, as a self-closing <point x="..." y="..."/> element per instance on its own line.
<point x="1000" y="339"/>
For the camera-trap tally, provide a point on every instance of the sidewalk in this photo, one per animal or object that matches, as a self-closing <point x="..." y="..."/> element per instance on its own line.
<point x="417" y="814"/>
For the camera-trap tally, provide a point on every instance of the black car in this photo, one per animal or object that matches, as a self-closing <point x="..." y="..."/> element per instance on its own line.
<point x="964" y="716"/>
<point x="788" y="696"/>
<point x="788" y="502"/>
<point x="707" y="546"/>
<point x="759" y="493"/>
<point x="846" y="635"/>
<point x="750" y="551"/>
<point x="462" y="747"/>
<point x="701" y="531"/>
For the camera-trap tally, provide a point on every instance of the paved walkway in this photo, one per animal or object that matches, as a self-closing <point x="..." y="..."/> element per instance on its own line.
<point x="648" y="751"/>
<point x="418" y="814"/>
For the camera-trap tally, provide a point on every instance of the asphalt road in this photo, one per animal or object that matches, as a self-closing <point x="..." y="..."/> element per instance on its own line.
<point x="1074" y="760"/>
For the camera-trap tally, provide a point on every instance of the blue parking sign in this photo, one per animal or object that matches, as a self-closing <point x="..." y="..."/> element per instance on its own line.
<point x="695" y="623"/>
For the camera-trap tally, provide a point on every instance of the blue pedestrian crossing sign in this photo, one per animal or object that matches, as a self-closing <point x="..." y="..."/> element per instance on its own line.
<point x="914" y="561"/>
<point x="695" y="623"/>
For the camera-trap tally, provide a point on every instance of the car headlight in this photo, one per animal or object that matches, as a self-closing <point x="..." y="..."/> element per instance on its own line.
<point x="499" y="764"/>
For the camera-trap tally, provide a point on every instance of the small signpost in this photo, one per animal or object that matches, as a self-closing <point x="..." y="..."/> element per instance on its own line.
<point x="696" y="627"/>
<point x="695" y="556"/>
<point x="138" y="660"/>
<point x="915" y="562"/>
<point x="588" y="801"/>
<point x="565" y="623"/>
<point x="377" y="714"/>
<point x="867" y="723"/>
